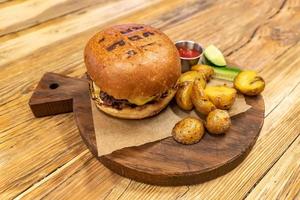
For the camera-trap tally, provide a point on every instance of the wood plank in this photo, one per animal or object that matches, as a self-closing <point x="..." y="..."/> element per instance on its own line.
<point x="50" y="33"/>
<point x="111" y="187"/>
<point x="50" y="58"/>
<point x="63" y="27"/>
<point x="77" y="58"/>
<point x="21" y="15"/>
<point x="37" y="155"/>
<point x="283" y="180"/>
<point x="76" y="44"/>
<point x="269" y="126"/>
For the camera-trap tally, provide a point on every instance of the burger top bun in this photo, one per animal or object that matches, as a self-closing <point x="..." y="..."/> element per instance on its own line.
<point x="132" y="61"/>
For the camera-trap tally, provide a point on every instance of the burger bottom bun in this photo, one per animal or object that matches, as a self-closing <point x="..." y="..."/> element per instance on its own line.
<point x="138" y="112"/>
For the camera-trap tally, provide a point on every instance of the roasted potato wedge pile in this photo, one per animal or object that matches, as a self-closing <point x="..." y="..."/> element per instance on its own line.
<point x="207" y="100"/>
<point x="192" y="91"/>
<point x="212" y="101"/>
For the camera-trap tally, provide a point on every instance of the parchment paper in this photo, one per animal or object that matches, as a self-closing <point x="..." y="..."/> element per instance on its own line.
<point x="113" y="133"/>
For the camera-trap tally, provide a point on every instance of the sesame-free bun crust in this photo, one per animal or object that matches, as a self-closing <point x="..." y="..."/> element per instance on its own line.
<point x="138" y="112"/>
<point x="132" y="61"/>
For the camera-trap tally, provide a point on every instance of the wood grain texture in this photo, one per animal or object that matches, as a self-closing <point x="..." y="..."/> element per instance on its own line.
<point x="283" y="180"/>
<point x="159" y="162"/>
<point x="31" y="13"/>
<point x="56" y="94"/>
<point x="4" y="3"/>
<point x="64" y="27"/>
<point x="262" y="35"/>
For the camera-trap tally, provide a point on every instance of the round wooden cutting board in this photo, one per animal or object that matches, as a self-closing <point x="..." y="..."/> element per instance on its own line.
<point x="164" y="162"/>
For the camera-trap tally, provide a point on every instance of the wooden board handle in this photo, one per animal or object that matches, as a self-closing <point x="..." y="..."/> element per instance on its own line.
<point x="55" y="94"/>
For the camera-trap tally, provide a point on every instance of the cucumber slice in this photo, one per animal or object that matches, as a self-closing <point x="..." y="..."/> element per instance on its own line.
<point x="213" y="56"/>
<point x="226" y="73"/>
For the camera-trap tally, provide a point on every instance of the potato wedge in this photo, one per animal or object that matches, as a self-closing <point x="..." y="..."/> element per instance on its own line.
<point x="183" y="96"/>
<point x="222" y="97"/>
<point x="218" y="121"/>
<point x="201" y="102"/>
<point x="207" y="70"/>
<point x="249" y="83"/>
<point x="191" y="76"/>
<point x="188" y="131"/>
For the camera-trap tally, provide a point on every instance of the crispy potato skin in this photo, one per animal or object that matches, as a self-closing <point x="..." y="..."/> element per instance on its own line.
<point x="188" y="131"/>
<point x="183" y="96"/>
<point x="249" y="83"/>
<point x="185" y="83"/>
<point x="218" y="121"/>
<point x="191" y="76"/>
<point x="208" y="71"/>
<point x="201" y="102"/>
<point x="222" y="97"/>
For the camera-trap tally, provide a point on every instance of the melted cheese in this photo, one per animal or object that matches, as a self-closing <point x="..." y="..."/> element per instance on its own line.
<point x="96" y="90"/>
<point x="141" y="101"/>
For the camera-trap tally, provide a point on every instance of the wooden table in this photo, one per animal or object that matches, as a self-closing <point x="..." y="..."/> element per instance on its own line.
<point x="46" y="158"/>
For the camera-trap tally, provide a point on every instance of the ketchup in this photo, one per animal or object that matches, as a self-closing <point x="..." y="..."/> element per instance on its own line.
<point x="188" y="53"/>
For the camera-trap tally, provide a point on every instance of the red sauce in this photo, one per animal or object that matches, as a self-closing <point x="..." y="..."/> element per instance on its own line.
<point x="188" y="53"/>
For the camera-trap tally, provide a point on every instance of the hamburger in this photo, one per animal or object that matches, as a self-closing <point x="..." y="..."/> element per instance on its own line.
<point x="132" y="69"/>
